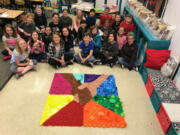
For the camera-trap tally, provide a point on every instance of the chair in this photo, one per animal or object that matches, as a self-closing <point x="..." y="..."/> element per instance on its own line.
<point x="19" y="4"/>
<point x="5" y="3"/>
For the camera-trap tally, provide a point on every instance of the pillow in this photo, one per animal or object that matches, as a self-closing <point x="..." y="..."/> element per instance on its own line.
<point x="169" y="67"/>
<point x="156" y="58"/>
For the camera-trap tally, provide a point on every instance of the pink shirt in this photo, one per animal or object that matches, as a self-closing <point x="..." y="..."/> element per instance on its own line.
<point x="121" y="41"/>
<point x="11" y="41"/>
<point x="40" y="48"/>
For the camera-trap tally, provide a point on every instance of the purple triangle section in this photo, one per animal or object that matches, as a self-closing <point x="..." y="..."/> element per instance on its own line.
<point x="60" y="85"/>
<point x="90" y="77"/>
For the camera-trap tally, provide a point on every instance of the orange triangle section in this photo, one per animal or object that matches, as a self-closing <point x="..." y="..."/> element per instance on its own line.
<point x="96" y="115"/>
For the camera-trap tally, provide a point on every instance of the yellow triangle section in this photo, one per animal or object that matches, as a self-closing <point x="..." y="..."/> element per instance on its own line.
<point x="54" y="103"/>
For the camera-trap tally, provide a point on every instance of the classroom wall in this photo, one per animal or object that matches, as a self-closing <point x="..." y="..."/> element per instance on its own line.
<point x="172" y="16"/>
<point x="122" y="6"/>
<point x="100" y="3"/>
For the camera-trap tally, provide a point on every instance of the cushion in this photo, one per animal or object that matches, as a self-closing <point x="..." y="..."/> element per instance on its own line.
<point x="156" y="58"/>
<point x="168" y="69"/>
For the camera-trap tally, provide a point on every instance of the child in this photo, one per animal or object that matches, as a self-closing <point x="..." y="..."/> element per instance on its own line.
<point x="28" y="26"/>
<point x="106" y="29"/>
<point x="105" y="16"/>
<point x="129" y="53"/>
<point x="96" y="39"/>
<point x="21" y="19"/>
<point x="128" y="24"/>
<point x="85" y="52"/>
<point x="68" y="43"/>
<point x="9" y="40"/>
<point x="91" y="18"/>
<point x="20" y="63"/>
<point x="55" y="24"/>
<point x="65" y="20"/>
<point x="121" y="39"/>
<point x="47" y="38"/>
<point x="81" y="31"/>
<point x="40" y="20"/>
<point x="37" y="48"/>
<point x="116" y="23"/>
<point x="56" y="52"/>
<point x="77" y="20"/>
<point x="109" y="54"/>
<point x="113" y="17"/>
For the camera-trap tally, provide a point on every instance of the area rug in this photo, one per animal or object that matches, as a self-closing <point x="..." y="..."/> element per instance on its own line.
<point x="88" y="100"/>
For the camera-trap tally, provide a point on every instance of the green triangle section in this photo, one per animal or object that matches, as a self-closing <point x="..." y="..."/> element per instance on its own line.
<point x="95" y="115"/>
<point x="70" y="115"/>
<point x="111" y="102"/>
<point x="54" y="103"/>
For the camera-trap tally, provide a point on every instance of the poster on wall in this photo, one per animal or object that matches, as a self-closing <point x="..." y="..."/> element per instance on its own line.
<point x="177" y="78"/>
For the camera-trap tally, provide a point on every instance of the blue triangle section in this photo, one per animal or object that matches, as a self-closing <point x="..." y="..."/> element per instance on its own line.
<point x="108" y="87"/>
<point x="79" y="77"/>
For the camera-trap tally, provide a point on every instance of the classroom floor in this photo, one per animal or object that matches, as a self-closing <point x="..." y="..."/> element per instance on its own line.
<point x="22" y="102"/>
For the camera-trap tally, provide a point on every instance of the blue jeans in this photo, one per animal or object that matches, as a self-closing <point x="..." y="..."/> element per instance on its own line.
<point x="123" y="62"/>
<point x="78" y="59"/>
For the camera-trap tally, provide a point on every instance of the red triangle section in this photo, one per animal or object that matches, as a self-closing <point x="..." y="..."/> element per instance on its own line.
<point x="70" y="115"/>
<point x="96" y="115"/>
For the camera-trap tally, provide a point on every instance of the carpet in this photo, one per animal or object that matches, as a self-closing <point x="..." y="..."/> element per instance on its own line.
<point x="88" y="100"/>
<point x="5" y="73"/>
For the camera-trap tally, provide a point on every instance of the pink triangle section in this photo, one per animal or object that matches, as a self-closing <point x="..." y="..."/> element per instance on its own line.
<point x="60" y="85"/>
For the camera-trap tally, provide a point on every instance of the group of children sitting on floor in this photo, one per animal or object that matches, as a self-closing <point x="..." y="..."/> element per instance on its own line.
<point x="35" y="41"/>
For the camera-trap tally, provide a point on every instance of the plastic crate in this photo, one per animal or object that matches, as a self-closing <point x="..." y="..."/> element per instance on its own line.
<point x="167" y="115"/>
<point x="156" y="101"/>
<point x="165" y="95"/>
<point x="144" y="73"/>
<point x="160" y="81"/>
<point x="149" y="86"/>
<point x="174" y="129"/>
<point x="164" y="119"/>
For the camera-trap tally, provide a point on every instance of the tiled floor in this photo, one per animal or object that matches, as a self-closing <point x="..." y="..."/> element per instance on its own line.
<point x="22" y="102"/>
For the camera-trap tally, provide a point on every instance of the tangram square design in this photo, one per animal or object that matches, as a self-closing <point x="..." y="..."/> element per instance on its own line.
<point x="89" y="100"/>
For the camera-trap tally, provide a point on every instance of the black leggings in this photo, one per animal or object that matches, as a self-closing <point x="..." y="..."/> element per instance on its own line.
<point x="97" y="53"/>
<point x="38" y="57"/>
<point x="55" y="63"/>
<point x="104" y="60"/>
<point x="6" y="53"/>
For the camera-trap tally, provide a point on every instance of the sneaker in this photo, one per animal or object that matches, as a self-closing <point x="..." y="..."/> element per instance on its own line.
<point x="75" y="60"/>
<point x="122" y="66"/>
<point x="6" y="58"/>
<point x="130" y="68"/>
<point x="18" y="75"/>
<point x="55" y="66"/>
<point x="34" y="69"/>
<point x="97" y="63"/>
<point x="89" y="64"/>
<point x="69" y="63"/>
<point x="111" y="65"/>
<point x="43" y="61"/>
<point x="136" y="69"/>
